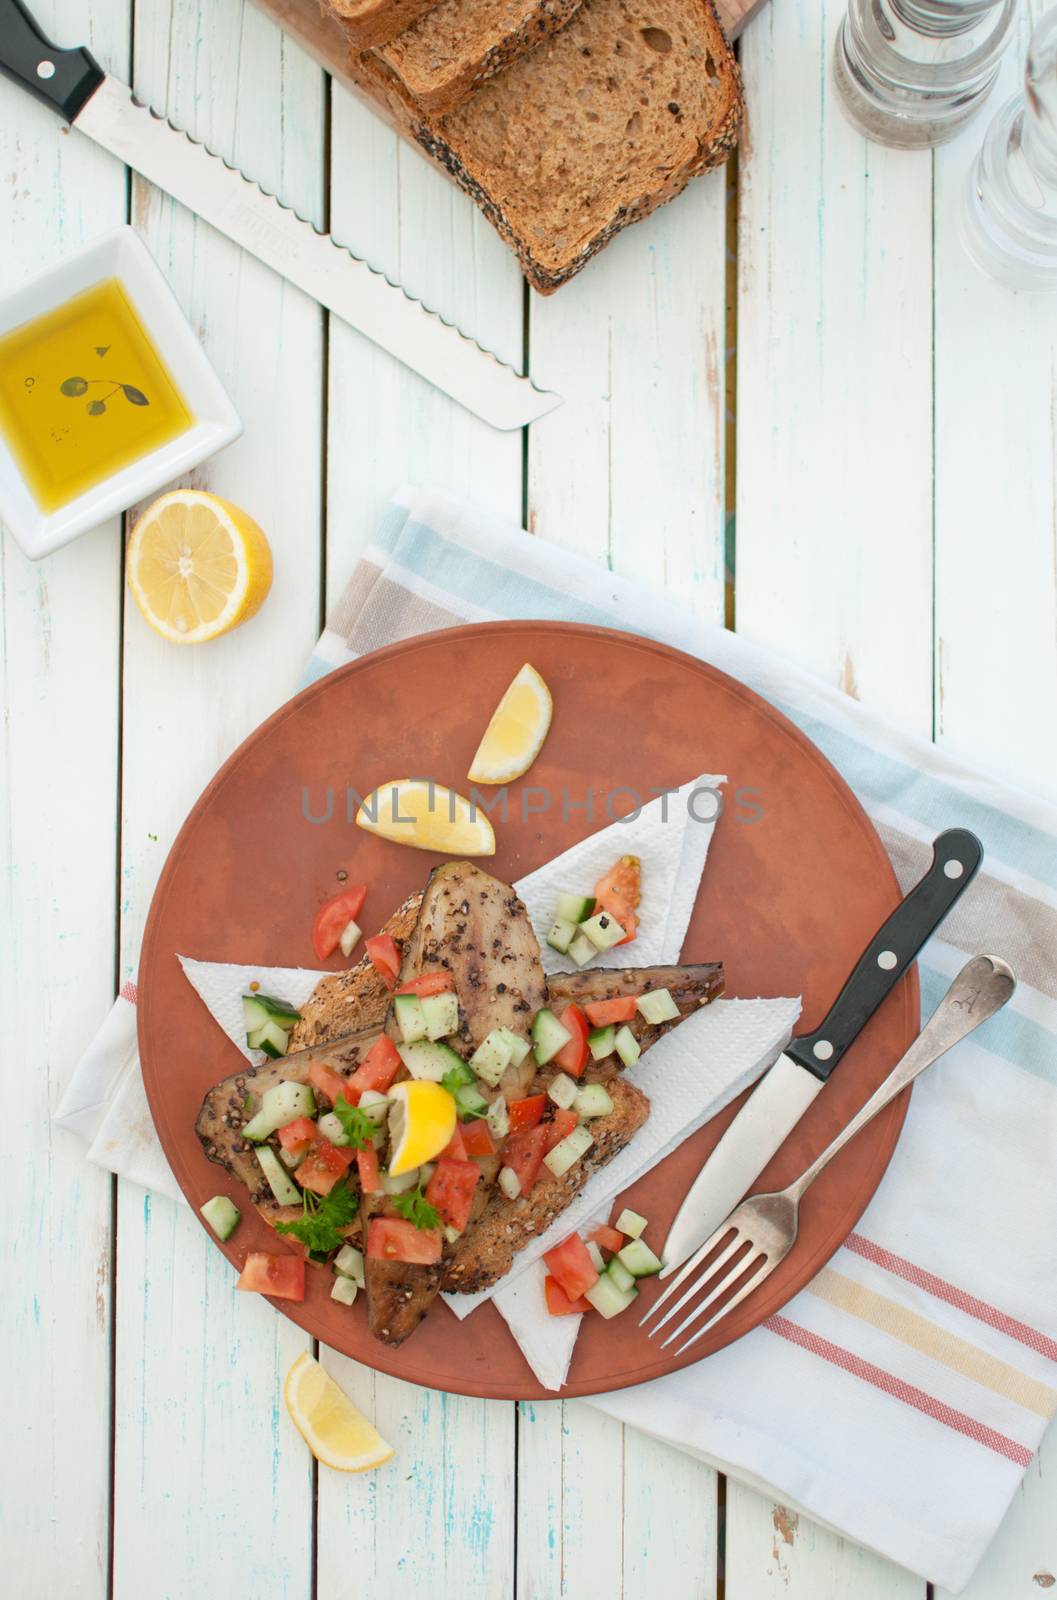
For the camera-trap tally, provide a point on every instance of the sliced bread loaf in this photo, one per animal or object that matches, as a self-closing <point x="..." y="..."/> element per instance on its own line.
<point x="448" y="53"/>
<point x="374" y="22"/>
<point x="609" y="119"/>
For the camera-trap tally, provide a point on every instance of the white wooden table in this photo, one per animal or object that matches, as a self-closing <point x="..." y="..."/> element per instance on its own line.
<point x="889" y="417"/>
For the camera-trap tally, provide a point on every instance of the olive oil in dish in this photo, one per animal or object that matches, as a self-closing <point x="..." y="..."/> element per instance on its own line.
<point x="85" y="393"/>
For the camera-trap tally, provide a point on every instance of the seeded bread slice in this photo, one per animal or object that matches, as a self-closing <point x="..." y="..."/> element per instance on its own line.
<point x="605" y="122"/>
<point x="373" y="22"/>
<point x="453" y="49"/>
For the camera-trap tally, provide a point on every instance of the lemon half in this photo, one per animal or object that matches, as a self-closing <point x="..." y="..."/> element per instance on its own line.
<point x="335" y="1432"/>
<point x="427" y="817"/>
<point x="198" y="566"/>
<point x="514" y="737"/>
<point x="421" y="1123"/>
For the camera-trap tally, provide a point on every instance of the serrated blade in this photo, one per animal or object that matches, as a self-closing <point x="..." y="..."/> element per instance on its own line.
<point x="314" y="261"/>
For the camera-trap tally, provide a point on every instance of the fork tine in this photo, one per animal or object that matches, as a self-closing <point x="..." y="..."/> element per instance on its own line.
<point x="715" y="1289"/>
<point x="757" y="1277"/>
<point x="684" y="1272"/>
<point x="723" y="1257"/>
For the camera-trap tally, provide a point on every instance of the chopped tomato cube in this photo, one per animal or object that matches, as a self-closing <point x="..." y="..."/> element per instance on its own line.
<point x="476" y="1139"/>
<point x="334" y="916"/>
<point x="324" y="1164"/>
<point x="572" y="1057"/>
<point x="456" y="1146"/>
<point x="393" y="1239"/>
<point x="561" y="1123"/>
<point x="609" y="1239"/>
<point x="619" y="893"/>
<point x="558" y="1302"/>
<point x="297" y="1135"/>
<point x="451" y="1190"/>
<point x="384" y="957"/>
<point x="524" y="1152"/>
<point x="283" y="1277"/>
<point x="429" y="983"/>
<point x="377" y="1069"/>
<point x="571" y="1264"/>
<point x="369" y="1170"/>
<point x="600" y="1013"/>
<point x="526" y="1113"/>
<point x="329" y="1082"/>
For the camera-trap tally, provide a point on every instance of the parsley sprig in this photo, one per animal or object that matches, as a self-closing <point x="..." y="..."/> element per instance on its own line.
<point x="414" y="1207"/>
<point x="319" y="1229"/>
<point x="359" y="1128"/>
<point x="453" y="1081"/>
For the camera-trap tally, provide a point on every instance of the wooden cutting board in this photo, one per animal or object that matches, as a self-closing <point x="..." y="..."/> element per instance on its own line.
<point x="324" y="40"/>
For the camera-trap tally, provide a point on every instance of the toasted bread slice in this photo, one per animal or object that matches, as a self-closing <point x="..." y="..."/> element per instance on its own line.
<point x="374" y="22"/>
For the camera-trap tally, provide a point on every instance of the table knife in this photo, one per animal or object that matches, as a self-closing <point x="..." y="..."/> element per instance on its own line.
<point x="72" y="83"/>
<point x="802" y="1070"/>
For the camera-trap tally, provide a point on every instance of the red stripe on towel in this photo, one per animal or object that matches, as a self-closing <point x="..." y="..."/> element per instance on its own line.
<point x="900" y="1267"/>
<point x="129" y="993"/>
<point x="907" y="1392"/>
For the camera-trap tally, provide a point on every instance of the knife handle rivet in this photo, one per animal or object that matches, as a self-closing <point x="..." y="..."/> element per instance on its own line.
<point x="45" y="69"/>
<point x="953" y="869"/>
<point x="887" y="960"/>
<point x="822" y="1050"/>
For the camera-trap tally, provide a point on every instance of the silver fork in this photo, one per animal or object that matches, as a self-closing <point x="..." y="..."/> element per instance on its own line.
<point x="764" y="1227"/>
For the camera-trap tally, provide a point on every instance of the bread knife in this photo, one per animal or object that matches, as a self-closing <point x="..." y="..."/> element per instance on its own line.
<point x="73" y="84"/>
<point x="776" y="1105"/>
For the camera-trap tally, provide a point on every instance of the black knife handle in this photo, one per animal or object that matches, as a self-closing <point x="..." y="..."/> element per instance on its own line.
<point x="956" y="855"/>
<point x="64" y="79"/>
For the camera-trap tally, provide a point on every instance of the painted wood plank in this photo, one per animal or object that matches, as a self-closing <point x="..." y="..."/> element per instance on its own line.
<point x="439" y="1518"/>
<point x="773" y="1554"/>
<point x="631" y="473"/>
<point x="215" y="1495"/>
<point x="58" y="765"/>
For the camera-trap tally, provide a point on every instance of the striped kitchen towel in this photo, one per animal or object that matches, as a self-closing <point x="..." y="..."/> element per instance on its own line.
<point x="901" y="1396"/>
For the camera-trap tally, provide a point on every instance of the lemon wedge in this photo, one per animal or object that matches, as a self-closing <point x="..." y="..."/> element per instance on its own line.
<point x="421" y="1122"/>
<point x="335" y="1432"/>
<point x="427" y="817"/>
<point x="198" y="566"/>
<point x="514" y="737"/>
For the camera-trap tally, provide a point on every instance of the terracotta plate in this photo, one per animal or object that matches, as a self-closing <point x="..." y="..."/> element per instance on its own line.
<point x="796" y="883"/>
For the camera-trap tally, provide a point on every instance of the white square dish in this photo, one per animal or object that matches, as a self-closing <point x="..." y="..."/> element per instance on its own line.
<point x="120" y="254"/>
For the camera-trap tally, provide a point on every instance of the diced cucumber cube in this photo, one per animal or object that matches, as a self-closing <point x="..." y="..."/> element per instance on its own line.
<point x="597" y="1258"/>
<point x="272" y="1039"/>
<point x="349" y="1262"/>
<point x="563" y="1090"/>
<point x="575" y="907"/>
<point x="375" y="1105"/>
<point x="561" y="935"/>
<point x="498" y="1118"/>
<point x="280" y="1183"/>
<point x="491" y="1058"/>
<point x="509" y="1182"/>
<point x="603" y="930"/>
<point x="602" y="1042"/>
<point x="568" y="1152"/>
<point x="451" y="1234"/>
<point x="430" y="1059"/>
<point x="256" y="1015"/>
<point x="620" y="1275"/>
<point x="582" y="950"/>
<point x="441" y="1012"/>
<point x="426" y="1171"/>
<point x="630" y="1223"/>
<point x="351" y="935"/>
<point x="627" y="1046"/>
<point x="410" y="1018"/>
<point x="593" y="1100"/>
<point x="639" y="1259"/>
<point x="607" y="1299"/>
<point x="287" y="1101"/>
<point x="260" y="1009"/>
<point x="548" y="1036"/>
<point x="519" y="1048"/>
<point x="344" y="1290"/>
<point x="292" y="1159"/>
<point x="222" y="1215"/>
<point x="459" y="1073"/>
<point x="470" y="1101"/>
<point x="401" y="1184"/>
<point x="258" y="1127"/>
<point x="331" y="1128"/>
<point x="658" y="1006"/>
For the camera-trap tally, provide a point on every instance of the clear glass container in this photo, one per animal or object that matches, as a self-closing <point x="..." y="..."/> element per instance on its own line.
<point x="910" y="73"/>
<point x="1010" y="216"/>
